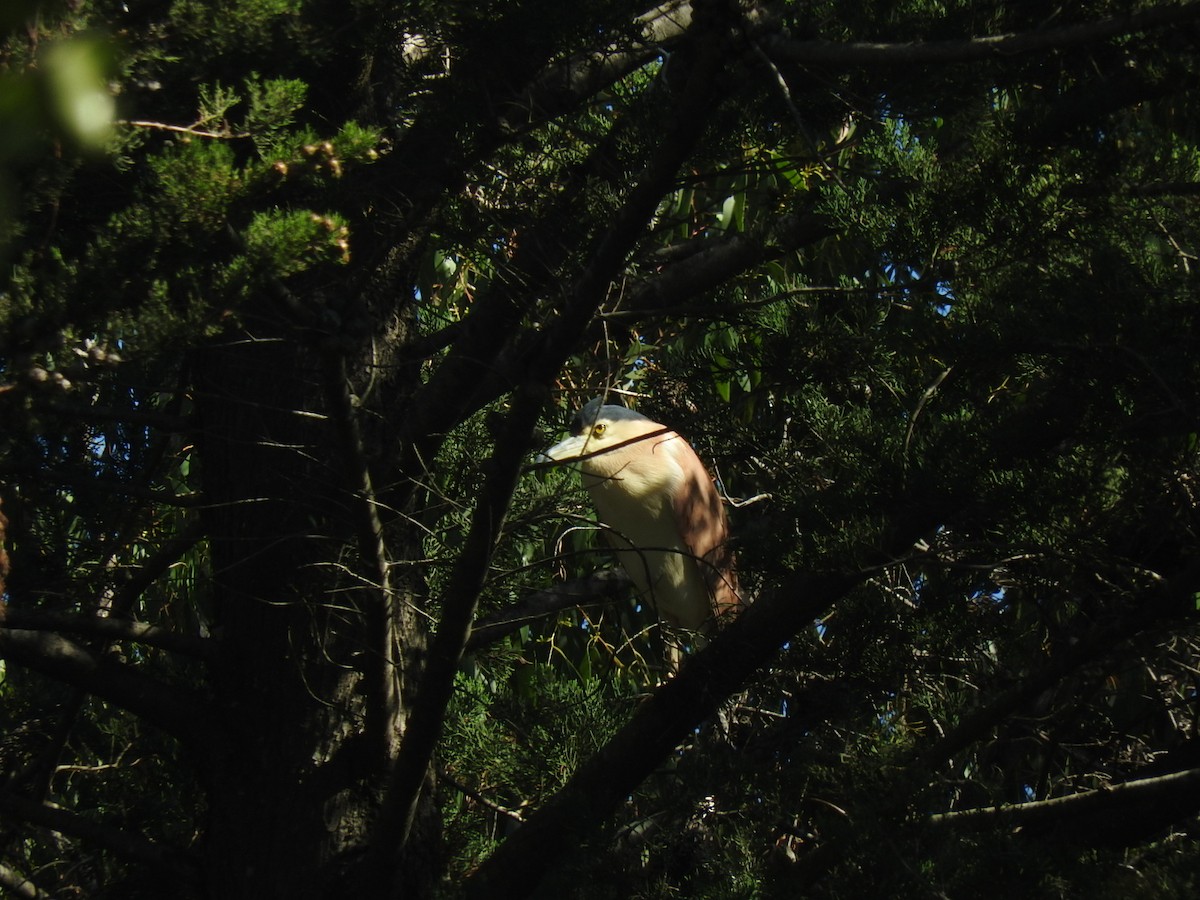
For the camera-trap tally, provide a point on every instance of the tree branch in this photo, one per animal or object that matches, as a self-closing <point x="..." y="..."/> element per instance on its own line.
<point x="719" y="262"/>
<point x="625" y="230"/>
<point x="418" y="179"/>
<point x="688" y="121"/>
<point x="665" y="719"/>
<point x="87" y="481"/>
<point x="174" y="710"/>
<point x="189" y="130"/>
<point x="382" y="685"/>
<point x="1138" y="805"/>
<point x="831" y="55"/>
<point x="598" y="589"/>
<point x="712" y="262"/>
<point x="108" y="627"/>
<point x="156" y="565"/>
<point x="563" y="86"/>
<point x="19" y="886"/>
<point x="1159" y="606"/>
<point x="169" y="862"/>
<point x="445" y="653"/>
<point x="1162" y="603"/>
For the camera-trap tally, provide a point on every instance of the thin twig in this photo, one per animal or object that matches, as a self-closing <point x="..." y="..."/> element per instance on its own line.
<point x="790" y="102"/>
<point x="925" y="398"/>
<point x="190" y="130"/>
<point x="479" y="798"/>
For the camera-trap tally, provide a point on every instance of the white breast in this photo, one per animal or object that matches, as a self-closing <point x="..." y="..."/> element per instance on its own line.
<point x="633" y="499"/>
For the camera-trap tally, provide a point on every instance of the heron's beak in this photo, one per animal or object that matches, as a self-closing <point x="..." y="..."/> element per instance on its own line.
<point x="570" y="448"/>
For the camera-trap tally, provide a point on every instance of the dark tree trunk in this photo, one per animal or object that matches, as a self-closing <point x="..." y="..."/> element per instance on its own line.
<point x="308" y="733"/>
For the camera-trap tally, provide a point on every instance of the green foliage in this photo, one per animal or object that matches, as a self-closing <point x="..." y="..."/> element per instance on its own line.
<point x="271" y="106"/>
<point x="283" y="244"/>
<point x="261" y="340"/>
<point x="197" y="180"/>
<point x="240" y="26"/>
<point x="513" y="737"/>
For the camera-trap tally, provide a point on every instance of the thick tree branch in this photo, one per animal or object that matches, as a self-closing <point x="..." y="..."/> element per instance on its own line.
<point x="19" y="886"/>
<point x="166" y="861"/>
<point x="445" y="652"/>
<point x="719" y="262"/>
<point x="382" y="687"/>
<point x="831" y="55"/>
<point x="154" y="567"/>
<point x="598" y="589"/>
<point x="565" y="85"/>
<point x="665" y="719"/>
<point x="513" y="444"/>
<point x="110" y="628"/>
<point x="1132" y="807"/>
<point x="174" y="710"/>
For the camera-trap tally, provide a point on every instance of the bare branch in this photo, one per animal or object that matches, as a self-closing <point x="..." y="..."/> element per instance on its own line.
<point x="19" y="886"/>
<point x="175" y="710"/>
<point x="926" y="396"/>
<point x="598" y="589"/>
<point x="167" y="861"/>
<point x="189" y="130"/>
<point x="1138" y="805"/>
<point x="110" y="628"/>
<point x="480" y="798"/>
<point x="832" y="55"/>
<point x="566" y="84"/>
<point x="445" y="652"/>
<point x="382" y="687"/>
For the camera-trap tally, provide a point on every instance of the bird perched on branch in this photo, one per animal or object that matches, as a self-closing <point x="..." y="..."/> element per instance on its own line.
<point x="661" y="511"/>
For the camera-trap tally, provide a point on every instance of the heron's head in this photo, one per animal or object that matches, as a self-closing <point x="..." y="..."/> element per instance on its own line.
<point x="599" y="427"/>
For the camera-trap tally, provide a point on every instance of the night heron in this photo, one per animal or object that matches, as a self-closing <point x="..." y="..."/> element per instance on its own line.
<point x="662" y="512"/>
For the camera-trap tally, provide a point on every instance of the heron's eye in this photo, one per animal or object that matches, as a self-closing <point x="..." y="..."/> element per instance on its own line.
<point x="598" y="429"/>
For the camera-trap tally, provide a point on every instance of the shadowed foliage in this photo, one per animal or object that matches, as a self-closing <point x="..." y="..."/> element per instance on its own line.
<point x="293" y="292"/>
